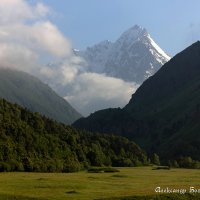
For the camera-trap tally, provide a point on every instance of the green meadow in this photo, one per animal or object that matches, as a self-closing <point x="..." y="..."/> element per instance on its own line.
<point x="129" y="183"/>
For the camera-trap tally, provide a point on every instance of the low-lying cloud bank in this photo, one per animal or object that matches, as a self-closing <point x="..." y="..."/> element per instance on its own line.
<point x="28" y="41"/>
<point x="93" y="92"/>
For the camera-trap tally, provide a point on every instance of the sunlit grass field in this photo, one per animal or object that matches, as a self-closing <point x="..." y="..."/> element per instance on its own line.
<point x="83" y="185"/>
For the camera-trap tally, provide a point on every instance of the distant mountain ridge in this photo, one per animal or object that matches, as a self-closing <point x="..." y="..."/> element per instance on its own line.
<point x="28" y="91"/>
<point x="163" y="115"/>
<point x="133" y="57"/>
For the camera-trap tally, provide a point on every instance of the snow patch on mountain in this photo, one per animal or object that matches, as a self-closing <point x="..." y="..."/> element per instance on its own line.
<point x="96" y="56"/>
<point x="134" y="57"/>
<point x="160" y="55"/>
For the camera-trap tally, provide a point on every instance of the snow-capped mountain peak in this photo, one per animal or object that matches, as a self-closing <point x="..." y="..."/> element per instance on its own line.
<point x="133" y="57"/>
<point x="133" y="34"/>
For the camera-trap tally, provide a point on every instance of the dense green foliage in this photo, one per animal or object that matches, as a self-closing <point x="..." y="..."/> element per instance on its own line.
<point x="155" y="159"/>
<point x="27" y="91"/>
<point x="31" y="142"/>
<point x="163" y="115"/>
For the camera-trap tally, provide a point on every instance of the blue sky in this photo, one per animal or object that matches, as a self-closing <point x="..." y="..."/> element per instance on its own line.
<point x="174" y="24"/>
<point x="37" y="32"/>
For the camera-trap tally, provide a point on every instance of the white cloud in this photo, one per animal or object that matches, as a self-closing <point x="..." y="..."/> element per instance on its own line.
<point x="40" y="36"/>
<point x="46" y="35"/>
<point x="28" y="40"/>
<point x="15" y="11"/>
<point x="17" y="56"/>
<point x="27" y="37"/>
<point x="93" y="92"/>
<point x="41" y="10"/>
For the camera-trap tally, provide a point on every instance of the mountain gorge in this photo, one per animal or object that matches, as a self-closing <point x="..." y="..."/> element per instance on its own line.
<point x="163" y="115"/>
<point x="133" y="57"/>
<point x="28" y="91"/>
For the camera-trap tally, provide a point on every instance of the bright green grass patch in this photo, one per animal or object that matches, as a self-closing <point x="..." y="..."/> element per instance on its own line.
<point x="103" y="170"/>
<point x="126" y="184"/>
<point x="161" y="167"/>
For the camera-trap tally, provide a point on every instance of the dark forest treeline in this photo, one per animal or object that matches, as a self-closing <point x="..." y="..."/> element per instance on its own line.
<point x="163" y="115"/>
<point x="31" y="142"/>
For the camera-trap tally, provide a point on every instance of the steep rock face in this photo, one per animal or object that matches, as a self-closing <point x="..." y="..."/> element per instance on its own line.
<point x="27" y="91"/>
<point x="96" y="56"/>
<point x="163" y="114"/>
<point x="173" y="78"/>
<point x="133" y="57"/>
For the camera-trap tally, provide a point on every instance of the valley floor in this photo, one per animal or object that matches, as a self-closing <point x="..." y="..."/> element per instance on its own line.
<point x="87" y="186"/>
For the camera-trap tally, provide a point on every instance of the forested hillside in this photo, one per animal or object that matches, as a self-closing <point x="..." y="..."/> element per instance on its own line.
<point x="163" y="114"/>
<point x="28" y="91"/>
<point x="31" y="142"/>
